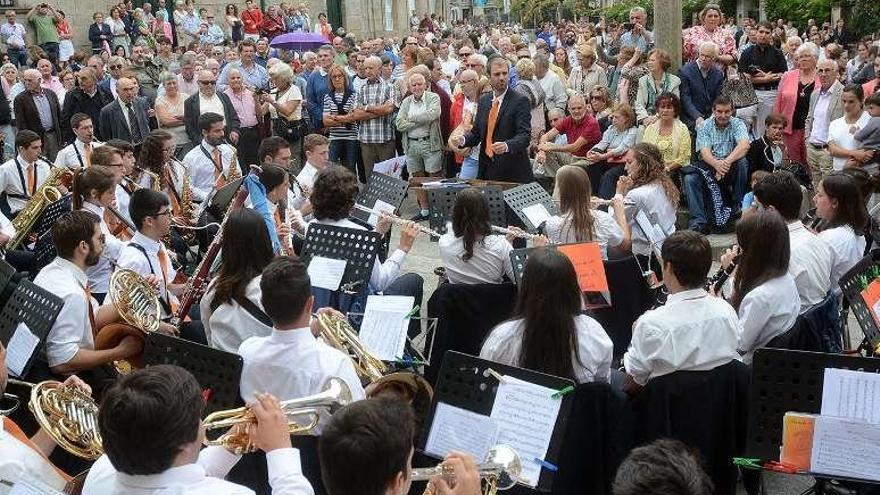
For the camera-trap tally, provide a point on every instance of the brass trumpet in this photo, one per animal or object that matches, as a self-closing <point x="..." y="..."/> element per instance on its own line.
<point x="334" y="396"/>
<point x="501" y="469"/>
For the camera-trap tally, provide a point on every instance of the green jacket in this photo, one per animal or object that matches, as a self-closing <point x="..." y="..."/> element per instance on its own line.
<point x="432" y="115"/>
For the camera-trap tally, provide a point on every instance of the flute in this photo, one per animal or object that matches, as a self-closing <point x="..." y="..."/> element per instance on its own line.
<point x="595" y="202"/>
<point x="395" y="219"/>
<point x="286" y="244"/>
<point x="515" y="233"/>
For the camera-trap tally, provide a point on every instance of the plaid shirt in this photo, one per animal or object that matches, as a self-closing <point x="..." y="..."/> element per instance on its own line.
<point x="378" y="130"/>
<point x="721" y="141"/>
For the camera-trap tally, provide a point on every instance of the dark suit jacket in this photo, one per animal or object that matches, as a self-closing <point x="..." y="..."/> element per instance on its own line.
<point x="27" y="116"/>
<point x="514" y="126"/>
<point x="113" y="124"/>
<point x="95" y="36"/>
<point x="697" y="94"/>
<point x="191" y="114"/>
<point x="77" y="101"/>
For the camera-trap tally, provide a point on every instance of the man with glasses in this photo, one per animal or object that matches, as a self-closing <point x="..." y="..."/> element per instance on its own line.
<point x="826" y="106"/>
<point x="206" y="101"/>
<point x="128" y="116"/>
<point x="210" y="160"/>
<point x="13" y="34"/>
<point x="78" y="154"/>
<point x="765" y="64"/>
<point x="701" y="83"/>
<point x="87" y="98"/>
<point x="117" y="66"/>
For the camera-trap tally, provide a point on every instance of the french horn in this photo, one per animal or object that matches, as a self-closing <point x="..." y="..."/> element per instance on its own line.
<point x="137" y="303"/>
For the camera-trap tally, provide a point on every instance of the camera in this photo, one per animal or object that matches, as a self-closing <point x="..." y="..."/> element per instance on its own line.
<point x="628" y="26"/>
<point x="44" y="5"/>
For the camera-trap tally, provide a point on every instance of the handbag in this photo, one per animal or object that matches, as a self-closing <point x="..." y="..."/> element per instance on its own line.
<point x="740" y="91"/>
<point x="796" y="169"/>
<point x="290" y="130"/>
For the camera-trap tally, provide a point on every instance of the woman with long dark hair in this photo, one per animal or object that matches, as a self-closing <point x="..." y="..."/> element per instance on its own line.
<point x="577" y="220"/>
<point x="841" y="208"/>
<point x="94" y="190"/>
<point x="549" y="332"/>
<point x="764" y="294"/>
<point x="231" y="308"/>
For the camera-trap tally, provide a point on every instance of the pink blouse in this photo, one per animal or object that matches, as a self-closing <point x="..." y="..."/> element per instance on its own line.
<point x="786" y="99"/>
<point x="692" y="38"/>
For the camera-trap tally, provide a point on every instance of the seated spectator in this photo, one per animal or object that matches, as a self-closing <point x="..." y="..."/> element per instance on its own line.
<point x="657" y="81"/>
<point x="580" y="129"/>
<point x="669" y="134"/>
<point x="766" y="152"/>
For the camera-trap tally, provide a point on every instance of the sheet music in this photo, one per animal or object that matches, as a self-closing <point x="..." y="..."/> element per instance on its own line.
<point x="652" y="232"/>
<point x="384" y="326"/>
<point x="536" y="213"/>
<point x="526" y="416"/>
<point x="851" y="394"/>
<point x="326" y="273"/>
<point x="380" y="206"/>
<point x="392" y="166"/>
<point x="32" y="487"/>
<point x="846" y="447"/>
<point x="20" y="348"/>
<point x="458" y="429"/>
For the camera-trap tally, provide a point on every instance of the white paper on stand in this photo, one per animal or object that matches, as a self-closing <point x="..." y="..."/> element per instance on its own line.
<point x="326" y="273"/>
<point x="846" y="447"/>
<point x="20" y="348"/>
<point x="536" y="213"/>
<point x="383" y="329"/>
<point x="851" y="394"/>
<point x="380" y="206"/>
<point x="454" y="428"/>
<point x="393" y="166"/>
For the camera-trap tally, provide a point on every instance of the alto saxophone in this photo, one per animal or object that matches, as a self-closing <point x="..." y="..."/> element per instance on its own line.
<point x="234" y="172"/>
<point x="47" y="194"/>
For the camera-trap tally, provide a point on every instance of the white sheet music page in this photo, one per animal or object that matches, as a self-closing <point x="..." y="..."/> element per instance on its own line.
<point x="458" y="429"/>
<point x="851" y="394"/>
<point x="846" y="447"/>
<point x="326" y="273"/>
<point x="383" y="329"/>
<point x="20" y="348"/>
<point x="536" y="213"/>
<point x="393" y="166"/>
<point x="380" y="206"/>
<point x="526" y="415"/>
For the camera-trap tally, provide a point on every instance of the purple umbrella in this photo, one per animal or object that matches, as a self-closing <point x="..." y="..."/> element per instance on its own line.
<point x="298" y="41"/>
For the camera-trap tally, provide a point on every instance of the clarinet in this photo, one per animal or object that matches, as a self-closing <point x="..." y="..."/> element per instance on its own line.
<point x="720" y="277"/>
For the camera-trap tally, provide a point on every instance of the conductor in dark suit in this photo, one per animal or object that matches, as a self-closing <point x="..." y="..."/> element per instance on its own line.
<point x="208" y="99"/>
<point x="127" y="117"/>
<point x="37" y="109"/>
<point x="502" y="128"/>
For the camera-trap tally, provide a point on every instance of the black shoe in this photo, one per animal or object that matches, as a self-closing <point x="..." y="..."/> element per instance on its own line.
<point x="419" y="217"/>
<point x="702" y="229"/>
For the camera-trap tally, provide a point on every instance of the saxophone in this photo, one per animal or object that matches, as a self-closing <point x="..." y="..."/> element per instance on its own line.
<point x="47" y="194"/>
<point x="234" y="172"/>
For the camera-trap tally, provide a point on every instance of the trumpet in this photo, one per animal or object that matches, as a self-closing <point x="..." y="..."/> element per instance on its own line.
<point x="395" y="219"/>
<point x="501" y="469"/>
<point x="334" y="396"/>
<point x="516" y="233"/>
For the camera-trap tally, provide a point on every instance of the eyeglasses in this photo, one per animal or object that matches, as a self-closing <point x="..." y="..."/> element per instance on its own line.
<point x="161" y="214"/>
<point x="115" y="67"/>
<point x="597" y="97"/>
<point x="412" y="43"/>
<point x="209" y="83"/>
<point x="465" y="54"/>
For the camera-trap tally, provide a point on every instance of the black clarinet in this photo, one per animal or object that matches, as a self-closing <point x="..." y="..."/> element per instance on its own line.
<point x="720" y="277"/>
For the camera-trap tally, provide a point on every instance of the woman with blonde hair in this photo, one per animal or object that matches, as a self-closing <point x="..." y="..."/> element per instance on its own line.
<point x="606" y="157"/>
<point x="658" y="80"/>
<point x="532" y="90"/>
<point x="589" y="74"/>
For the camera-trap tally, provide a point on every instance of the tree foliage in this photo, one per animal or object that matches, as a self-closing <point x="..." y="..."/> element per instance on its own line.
<point x="799" y="11"/>
<point x="864" y="17"/>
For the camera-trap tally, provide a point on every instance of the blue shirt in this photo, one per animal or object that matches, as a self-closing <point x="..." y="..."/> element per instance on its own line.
<point x="316" y="89"/>
<point x="638" y="41"/>
<point x="256" y="77"/>
<point x="723" y="140"/>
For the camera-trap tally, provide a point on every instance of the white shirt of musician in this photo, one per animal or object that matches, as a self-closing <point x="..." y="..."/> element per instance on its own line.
<point x="6" y="226"/>
<point x="810" y="265"/>
<point x="291" y="364"/>
<point x="204" y="477"/>
<point x="74" y="155"/>
<point x="606" y="231"/>
<point x="19" y="462"/>
<point x="71" y="330"/>
<point x="595" y="349"/>
<point x="488" y="265"/>
<point x="383" y="273"/>
<point x="230" y="324"/>
<point x="848" y="249"/>
<point x="15" y="184"/>
<point x="132" y="258"/>
<point x="201" y="168"/>
<point x="99" y="275"/>
<point x="768" y="310"/>
<point x="652" y="199"/>
<point x="691" y="332"/>
<point x="123" y="199"/>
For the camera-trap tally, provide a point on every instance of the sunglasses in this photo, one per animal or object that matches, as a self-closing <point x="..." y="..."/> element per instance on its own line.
<point x="115" y="67"/>
<point x="209" y="83"/>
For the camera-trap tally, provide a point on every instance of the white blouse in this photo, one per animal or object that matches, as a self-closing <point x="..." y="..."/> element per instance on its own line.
<point x="606" y="231"/>
<point x="488" y="265"/>
<point x="768" y="310"/>
<point x="230" y="324"/>
<point x="847" y="247"/>
<point x="594" y="351"/>
<point x="651" y="199"/>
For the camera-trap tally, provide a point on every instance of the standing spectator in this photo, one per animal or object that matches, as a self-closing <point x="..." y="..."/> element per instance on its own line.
<point x="765" y="64"/>
<point x="117" y="66"/>
<point x="319" y="85"/>
<point x="794" y="100"/>
<point x="119" y="31"/>
<point x="208" y="100"/>
<point x="700" y="85"/>
<point x="13" y="34"/>
<point x="100" y="34"/>
<point x="170" y="111"/>
<point x="307" y="20"/>
<point x="825" y="107"/>
<point x="44" y="17"/>
<point x="273" y="23"/>
<point x="126" y="117"/>
<point x="657" y="81"/>
<point x="298" y="22"/>
<point x="47" y="80"/>
<point x="373" y="109"/>
<point x="531" y="89"/>
<point x="188" y="28"/>
<point x="37" y="109"/>
<point x="839" y="34"/>
<point x="88" y="98"/>
<point x="561" y="64"/>
<point x="588" y="74"/>
<point x="638" y="36"/>
<point x="165" y="59"/>
<point x="462" y="114"/>
<point x="252" y="20"/>
<point x="339" y="105"/>
<point x="233" y="23"/>
<point x="555" y="94"/>
<point x="249" y="114"/>
<point x="285" y="109"/>
<point x="842" y="143"/>
<point x="419" y="123"/>
<point x="710" y="30"/>
<point x="255" y="75"/>
<point x="853" y="66"/>
<point x="871" y="86"/>
<point x="790" y="51"/>
<point x="145" y="71"/>
<point x="323" y="27"/>
<point x="140" y="30"/>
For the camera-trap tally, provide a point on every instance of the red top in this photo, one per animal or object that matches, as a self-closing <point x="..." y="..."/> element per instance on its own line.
<point x="252" y="20"/>
<point x="588" y="127"/>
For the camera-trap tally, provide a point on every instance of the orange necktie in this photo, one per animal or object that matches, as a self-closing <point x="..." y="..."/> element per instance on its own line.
<point x="30" y="179"/>
<point x="87" y="147"/>
<point x="163" y="264"/>
<point x="219" y="180"/>
<point x="490" y="130"/>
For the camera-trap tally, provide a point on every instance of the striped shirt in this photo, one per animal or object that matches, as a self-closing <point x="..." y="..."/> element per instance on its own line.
<point x="332" y="102"/>
<point x="377" y="130"/>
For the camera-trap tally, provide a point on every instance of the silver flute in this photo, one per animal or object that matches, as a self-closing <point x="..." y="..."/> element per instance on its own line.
<point x="516" y="233"/>
<point x="395" y="219"/>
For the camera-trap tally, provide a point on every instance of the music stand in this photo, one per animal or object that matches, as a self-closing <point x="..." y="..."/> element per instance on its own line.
<point x="216" y="370"/>
<point x="465" y="382"/>
<point x="221" y="200"/>
<point x="861" y="287"/>
<point x="383" y="187"/>
<point x="441" y="200"/>
<point x="50" y="215"/>
<point x="35" y="307"/>
<point x="528" y="195"/>
<point x="427" y="331"/>
<point x="784" y="381"/>
<point x="7" y="281"/>
<point x="358" y="248"/>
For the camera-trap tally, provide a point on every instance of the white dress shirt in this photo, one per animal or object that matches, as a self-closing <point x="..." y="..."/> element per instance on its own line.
<point x="383" y="273"/>
<point x="488" y="265"/>
<point x="72" y="329"/>
<point x="6" y="226"/>
<point x="839" y="133"/>
<point x="123" y="199"/>
<point x="810" y="265"/>
<point x="819" y="132"/>
<point x="848" y="249"/>
<point x="73" y="155"/>
<point x="306" y="176"/>
<point x="768" y="310"/>
<point x="132" y="258"/>
<point x="212" y="104"/>
<point x="652" y="199"/>
<point x="291" y="364"/>
<point x="202" y="169"/>
<point x="15" y="184"/>
<point x="595" y="349"/>
<point x="230" y="324"/>
<point x="19" y="462"/>
<point x="204" y="477"/>
<point x="99" y="275"/>
<point x="691" y="332"/>
<point x="606" y="231"/>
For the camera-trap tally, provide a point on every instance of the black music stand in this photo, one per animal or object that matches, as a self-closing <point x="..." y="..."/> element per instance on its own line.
<point x="528" y="195"/>
<point x="8" y="281"/>
<point x="217" y="370"/>
<point x="464" y="382"/>
<point x="35" y="307"/>
<point x="44" y="249"/>
<point x="358" y="248"/>
<point x="441" y="200"/>
<point x="518" y="259"/>
<point x="383" y="187"/>
<point x="853" y="283"/>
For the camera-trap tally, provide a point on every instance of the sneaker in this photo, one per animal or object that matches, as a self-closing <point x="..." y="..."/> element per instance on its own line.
<point x="419" y="217"/>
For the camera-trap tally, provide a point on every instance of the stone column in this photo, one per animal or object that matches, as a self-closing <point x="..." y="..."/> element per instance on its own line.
<point x="667" y="29"/>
